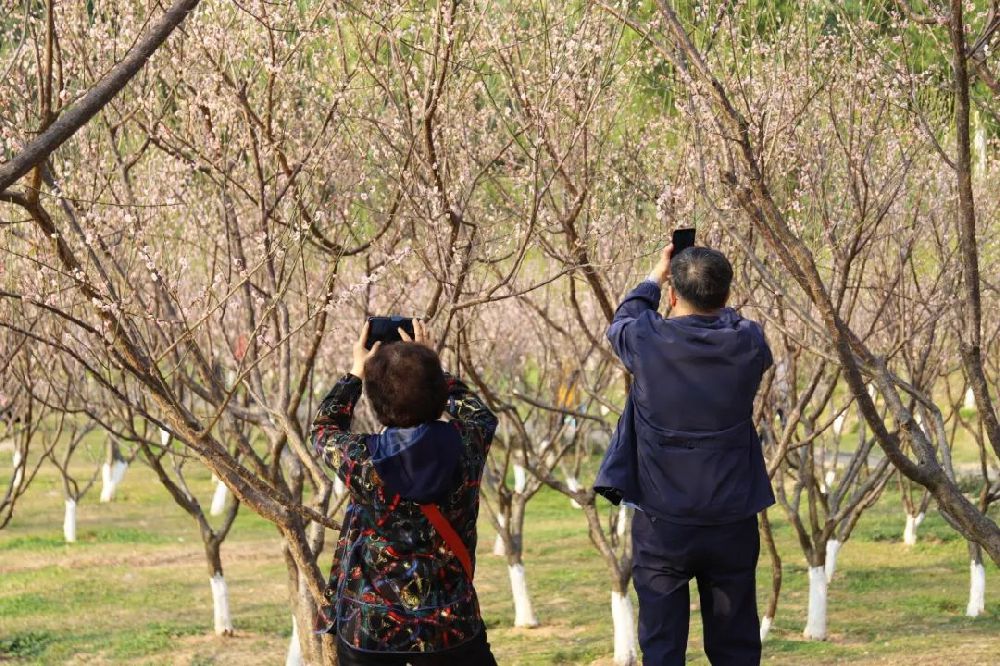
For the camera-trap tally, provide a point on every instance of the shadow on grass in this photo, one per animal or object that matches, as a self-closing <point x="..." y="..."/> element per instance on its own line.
<point x="25" y="645"/>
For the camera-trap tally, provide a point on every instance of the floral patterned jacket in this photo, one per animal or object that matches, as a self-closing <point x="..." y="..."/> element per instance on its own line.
<point x="395" y="585"/>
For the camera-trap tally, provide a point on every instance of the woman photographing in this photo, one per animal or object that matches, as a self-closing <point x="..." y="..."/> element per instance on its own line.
<point x="401" y="588"/>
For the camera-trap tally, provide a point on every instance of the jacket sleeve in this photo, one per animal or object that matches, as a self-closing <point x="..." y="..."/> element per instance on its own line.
<point x="634" y="313"/>
<point x="766" y="358"/>
<point x="345" y="452"/>
<point x="471" y="412"/>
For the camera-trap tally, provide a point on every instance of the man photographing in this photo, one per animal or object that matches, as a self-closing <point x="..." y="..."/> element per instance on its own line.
<point x="686" y="454"/>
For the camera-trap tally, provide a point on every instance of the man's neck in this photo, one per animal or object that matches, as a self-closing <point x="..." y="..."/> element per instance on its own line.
<point x="683" y="309"/>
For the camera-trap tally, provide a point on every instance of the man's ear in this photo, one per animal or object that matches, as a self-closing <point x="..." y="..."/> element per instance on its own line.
<point x="672" y="296"/>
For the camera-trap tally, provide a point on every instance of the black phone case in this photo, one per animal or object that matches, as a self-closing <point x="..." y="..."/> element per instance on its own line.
<point x="682" y="239"/>
<point x="386" y="329"/>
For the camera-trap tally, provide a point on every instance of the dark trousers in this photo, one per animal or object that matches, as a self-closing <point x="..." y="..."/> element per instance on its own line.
<point x="723" y="559"/>
<point x="475" y="652"/>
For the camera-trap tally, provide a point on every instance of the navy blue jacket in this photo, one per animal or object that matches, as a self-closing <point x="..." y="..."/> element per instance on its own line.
<point x="686" y="449"/>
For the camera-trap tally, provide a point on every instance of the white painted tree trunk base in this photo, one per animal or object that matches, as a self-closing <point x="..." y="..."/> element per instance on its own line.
<point x="765" y="627"/>
<point x="520" y="479"/>
<point x="910" y="532"/>
<point x="112" y="474"/>
<point x="164" y="437"/>
<point x="977" y="589"/>
<point x="118" y="472"/>
<point x="970" y="399"/>
<point x="830" y="477"/>
<point x="524" y="614"/>
<point x="219" y="499"/>
<point x="816" y="622"/>
<point x="498" y="548"/>
<point x="626" y="653"/>
<point x="832" y="548"/>
<point x="107" y="485"/>
<point x="574" y="486"/>
<point x="69" y="522"/>
<point x="220" y="606"/>
<point x="294" y="657"/>
<point x="622" y="520"/>
<point x="18" y="471"/>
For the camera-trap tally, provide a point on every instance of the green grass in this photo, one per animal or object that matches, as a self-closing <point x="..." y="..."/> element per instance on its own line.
<point x="24" y="645"/>
<point x="134" y="589"/>
<point x="99" y="536"/>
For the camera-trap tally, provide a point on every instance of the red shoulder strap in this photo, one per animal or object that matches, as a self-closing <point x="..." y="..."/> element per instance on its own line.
<point x="450" y="536"/>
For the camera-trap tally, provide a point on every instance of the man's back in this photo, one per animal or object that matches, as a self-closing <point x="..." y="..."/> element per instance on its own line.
<point x="698" y="373"/>
<point x="697" y="458"/>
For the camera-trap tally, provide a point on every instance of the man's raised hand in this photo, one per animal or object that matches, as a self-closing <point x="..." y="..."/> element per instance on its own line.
<point x="661" y="271"/>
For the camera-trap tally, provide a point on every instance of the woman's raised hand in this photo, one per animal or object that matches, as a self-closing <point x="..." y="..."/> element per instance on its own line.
<point x="420" y="335"/>
<point x="360" y="354"/>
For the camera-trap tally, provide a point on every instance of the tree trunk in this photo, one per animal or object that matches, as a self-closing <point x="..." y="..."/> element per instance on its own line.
<point x="107" y="484"/>
<point x="977" y="582"/>
<point x="832" y="548"/>
<point x="816" y="622"/>
<point x="621" y="527"/>
<point x="620" y="569"/>
<point x="219" y="499"/>
<point x="220" y="605"/>
<point x="313" y="650"/>
<point x="112" y="474"/>
<point x="18" y="465"/>
<point x="765" y="626"/>
<point x="294" y="657"/>
<point x="498" y="547"/>
<point x="520" y="478"/>
<point x="223" y="621"/>
<point x="524" y="613"/>
<point x="623" y="621"/>
<point x="573" y="485"/>
<point x="912" y="523"/>
<point x="69" y="521"/>
<point x="772" y="603"/>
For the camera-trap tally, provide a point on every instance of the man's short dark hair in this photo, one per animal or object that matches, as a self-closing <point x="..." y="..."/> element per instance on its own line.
<point x="702" y="277"/>
<point x="405" y="384"/>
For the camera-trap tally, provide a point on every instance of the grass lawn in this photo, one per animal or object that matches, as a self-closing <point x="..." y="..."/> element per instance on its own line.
<point x="134" y="589"/>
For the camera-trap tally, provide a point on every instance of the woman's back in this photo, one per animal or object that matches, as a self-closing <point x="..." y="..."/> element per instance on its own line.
<point x="397" y="585"/>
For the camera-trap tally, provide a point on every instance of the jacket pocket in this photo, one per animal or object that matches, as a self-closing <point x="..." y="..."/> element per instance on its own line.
<point x="699" y="476"/>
